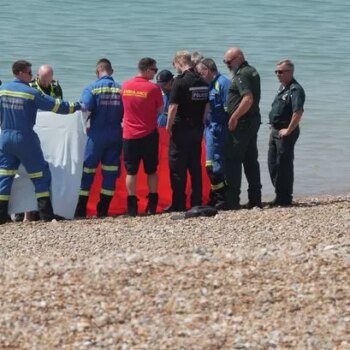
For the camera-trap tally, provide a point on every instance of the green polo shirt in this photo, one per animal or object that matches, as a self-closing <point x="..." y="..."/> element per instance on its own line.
<point x="245" y="80"/>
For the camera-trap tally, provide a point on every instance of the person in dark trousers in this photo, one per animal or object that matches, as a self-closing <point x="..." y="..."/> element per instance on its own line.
<point x="19" y="143"/>
<point x="104" y="138"/>
<point x="187" y="112"/>
<point x="286" y="112"/>
<point x="244" y="123"/>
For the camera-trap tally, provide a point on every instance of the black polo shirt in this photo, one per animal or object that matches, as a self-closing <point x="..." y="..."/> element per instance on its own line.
<point x="289" y="99"/>
<point x="245" y="80"/>
<point x="191" y="93"/>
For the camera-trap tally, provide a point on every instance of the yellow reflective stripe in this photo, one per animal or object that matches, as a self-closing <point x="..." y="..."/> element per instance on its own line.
<point x="84" y="193"/>
<point x="57" y="105"/>
<point x="36" y="175"/>
<point x="89" y="170"/>
<point x="209" y="163"/>
<point x="110" y="167"/>
<point x="107" y="192"/>
<point x="17" y="94"/>
<point x="225" y="108"/>
<point x="4" y="197"/>
<point x="42" y="194"/>
<point x="218" y="186"/>
<point x="71" y="107"/>
<point x="8" y="172"/>
<point x="103" y="90"/>
<point x="217" y="86"/>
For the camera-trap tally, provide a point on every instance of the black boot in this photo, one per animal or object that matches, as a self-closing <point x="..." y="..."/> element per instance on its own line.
<point x="45" y="209"/>
<point x="103" y="205"/>
<point x="132" y="206"/>
<point x="80" y="211"/>
<point x="4" y="216"/>
<point x="221" y="199"/>
<point x="151" y="208"/>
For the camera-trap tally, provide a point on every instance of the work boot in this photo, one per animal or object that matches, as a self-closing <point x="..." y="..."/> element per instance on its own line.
<point x="103" y="205"/>
<point x="45" y="209"/>
<point x="80" y="211"/>
<point x="132" y="206"/>
<point x="4" y="216"/>
<point x="220" y="199"/>
<point x="151" y="208"/>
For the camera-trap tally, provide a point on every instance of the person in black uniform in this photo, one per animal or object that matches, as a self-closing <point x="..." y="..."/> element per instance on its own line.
<point x="187" y="111"/>
<point x="286" y="112"/>
<point x="244" y="123"/>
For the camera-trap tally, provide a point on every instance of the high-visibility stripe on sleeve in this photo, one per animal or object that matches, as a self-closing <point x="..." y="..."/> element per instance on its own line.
<point x="35" y="175"/>
<point x="57" y="105"/>
<point x="84" y="193"/>
<point x="17" y="94"/>
<point x="4" y="197"/>
<point x="104" y="90"/>
<point x="42" y="194"/>
<point x="218" y="186"/>
<point x="89" y="170"/>
<point x="107" y="192"/>
<point x="71" y="107"/>
<point x="110" y="167"/>
<point x="208" y="162"/>
<point x="8" y="172"/>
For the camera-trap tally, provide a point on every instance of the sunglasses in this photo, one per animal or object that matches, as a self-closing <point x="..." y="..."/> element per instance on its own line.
<point x="30" y="73"/>
<point x="228" y="62"/>
<point x="281" y="71"/>
<point x="155" y="70"/>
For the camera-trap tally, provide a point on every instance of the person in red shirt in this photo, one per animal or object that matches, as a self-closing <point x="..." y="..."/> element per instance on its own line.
<point x="142" y="101"/>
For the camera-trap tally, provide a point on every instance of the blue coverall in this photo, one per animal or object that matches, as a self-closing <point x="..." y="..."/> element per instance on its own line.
<point x="215" y="134"/>
<point x="18" y="141"/>
<point x="104" y="143"/>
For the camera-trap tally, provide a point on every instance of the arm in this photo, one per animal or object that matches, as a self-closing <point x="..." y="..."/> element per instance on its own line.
<point x="48" y="103"/>
<point x="206" y="111"/>
<point x="171" y="116"/>
<point x="243" y="108"/>
<point x="292" y="125"/>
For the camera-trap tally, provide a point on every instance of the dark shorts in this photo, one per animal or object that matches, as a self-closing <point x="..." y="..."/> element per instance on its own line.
<point x="145" y="149"/>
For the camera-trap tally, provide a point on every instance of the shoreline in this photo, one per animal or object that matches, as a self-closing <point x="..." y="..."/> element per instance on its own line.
<point x="246" y="279"/>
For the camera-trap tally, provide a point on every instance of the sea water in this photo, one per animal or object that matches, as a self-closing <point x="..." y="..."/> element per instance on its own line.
<point x="315" y="34"/>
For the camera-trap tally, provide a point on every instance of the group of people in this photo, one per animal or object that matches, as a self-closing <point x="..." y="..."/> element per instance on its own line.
<point x="198" y="101"/>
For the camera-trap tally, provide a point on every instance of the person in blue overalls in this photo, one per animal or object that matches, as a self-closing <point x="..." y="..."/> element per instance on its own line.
<point x="19" y="143"/>
<point x="104" y="143"/>
<point x="165" y="80"/>
<point x="215" y="131"/>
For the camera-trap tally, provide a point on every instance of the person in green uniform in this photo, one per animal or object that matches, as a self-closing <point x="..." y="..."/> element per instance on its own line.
<point x="244" y="123"/>
<point x="286" y="112"/>
<point x="45" y="83"/>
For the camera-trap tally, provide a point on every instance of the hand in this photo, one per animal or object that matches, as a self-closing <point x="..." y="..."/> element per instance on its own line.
<point x="232" y="123"/>
<point x="283" y="133"/>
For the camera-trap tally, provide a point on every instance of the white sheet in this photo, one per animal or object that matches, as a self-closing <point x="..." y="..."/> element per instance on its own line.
<point x="62" y="140"/>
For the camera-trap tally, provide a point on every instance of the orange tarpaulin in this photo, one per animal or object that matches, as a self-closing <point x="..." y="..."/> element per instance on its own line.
<point x="118" y="204"/>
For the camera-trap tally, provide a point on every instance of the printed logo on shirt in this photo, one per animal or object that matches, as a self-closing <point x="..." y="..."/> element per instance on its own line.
<point x="137" y="93"/>
<point x="199" y="93"/>
<point x="12" y="102"/>
<point x="110" y="100"/>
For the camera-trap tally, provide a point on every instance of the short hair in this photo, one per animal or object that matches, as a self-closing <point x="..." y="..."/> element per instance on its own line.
<point x="183" y="57"/>
<point x="210" y="64"/>
<point x="196" y="57"/>
<point x="105" y="64"/>
<point x="20" y="66"/>
<point x="288" y="63"/>
<point x="145" y="63"/>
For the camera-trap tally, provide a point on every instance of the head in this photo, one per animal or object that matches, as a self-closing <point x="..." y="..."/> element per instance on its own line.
<point x="22" y="70"/>
<point x="45" y="75"/>
<point x="147" y="68"/>
<point x="196" y="57"/>
<point x="165" y="80"/>
<point x="233" y="58"/>
<point x="207" y="69"/>
<point x="182" y="61"/>
<point x="103" y="67"/>
<point x="285" y="71"/>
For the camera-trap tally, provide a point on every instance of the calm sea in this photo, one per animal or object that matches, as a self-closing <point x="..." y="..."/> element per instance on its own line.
<point x="315" y="34"/>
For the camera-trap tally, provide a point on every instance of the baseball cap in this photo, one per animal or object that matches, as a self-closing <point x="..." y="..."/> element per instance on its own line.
<point x="164" y="76"/>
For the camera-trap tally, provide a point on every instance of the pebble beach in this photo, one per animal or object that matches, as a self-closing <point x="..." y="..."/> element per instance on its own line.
<point x="274" y="278"/>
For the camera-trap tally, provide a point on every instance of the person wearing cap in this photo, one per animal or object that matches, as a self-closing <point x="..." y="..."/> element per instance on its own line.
<point x="215" y="131"/>
<point x="142" y="102"/>
<point x="104" y="137"/>
<point x="285" y="115"/>
<point x="165" y="80"/>
<point x="187" y="112"/>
